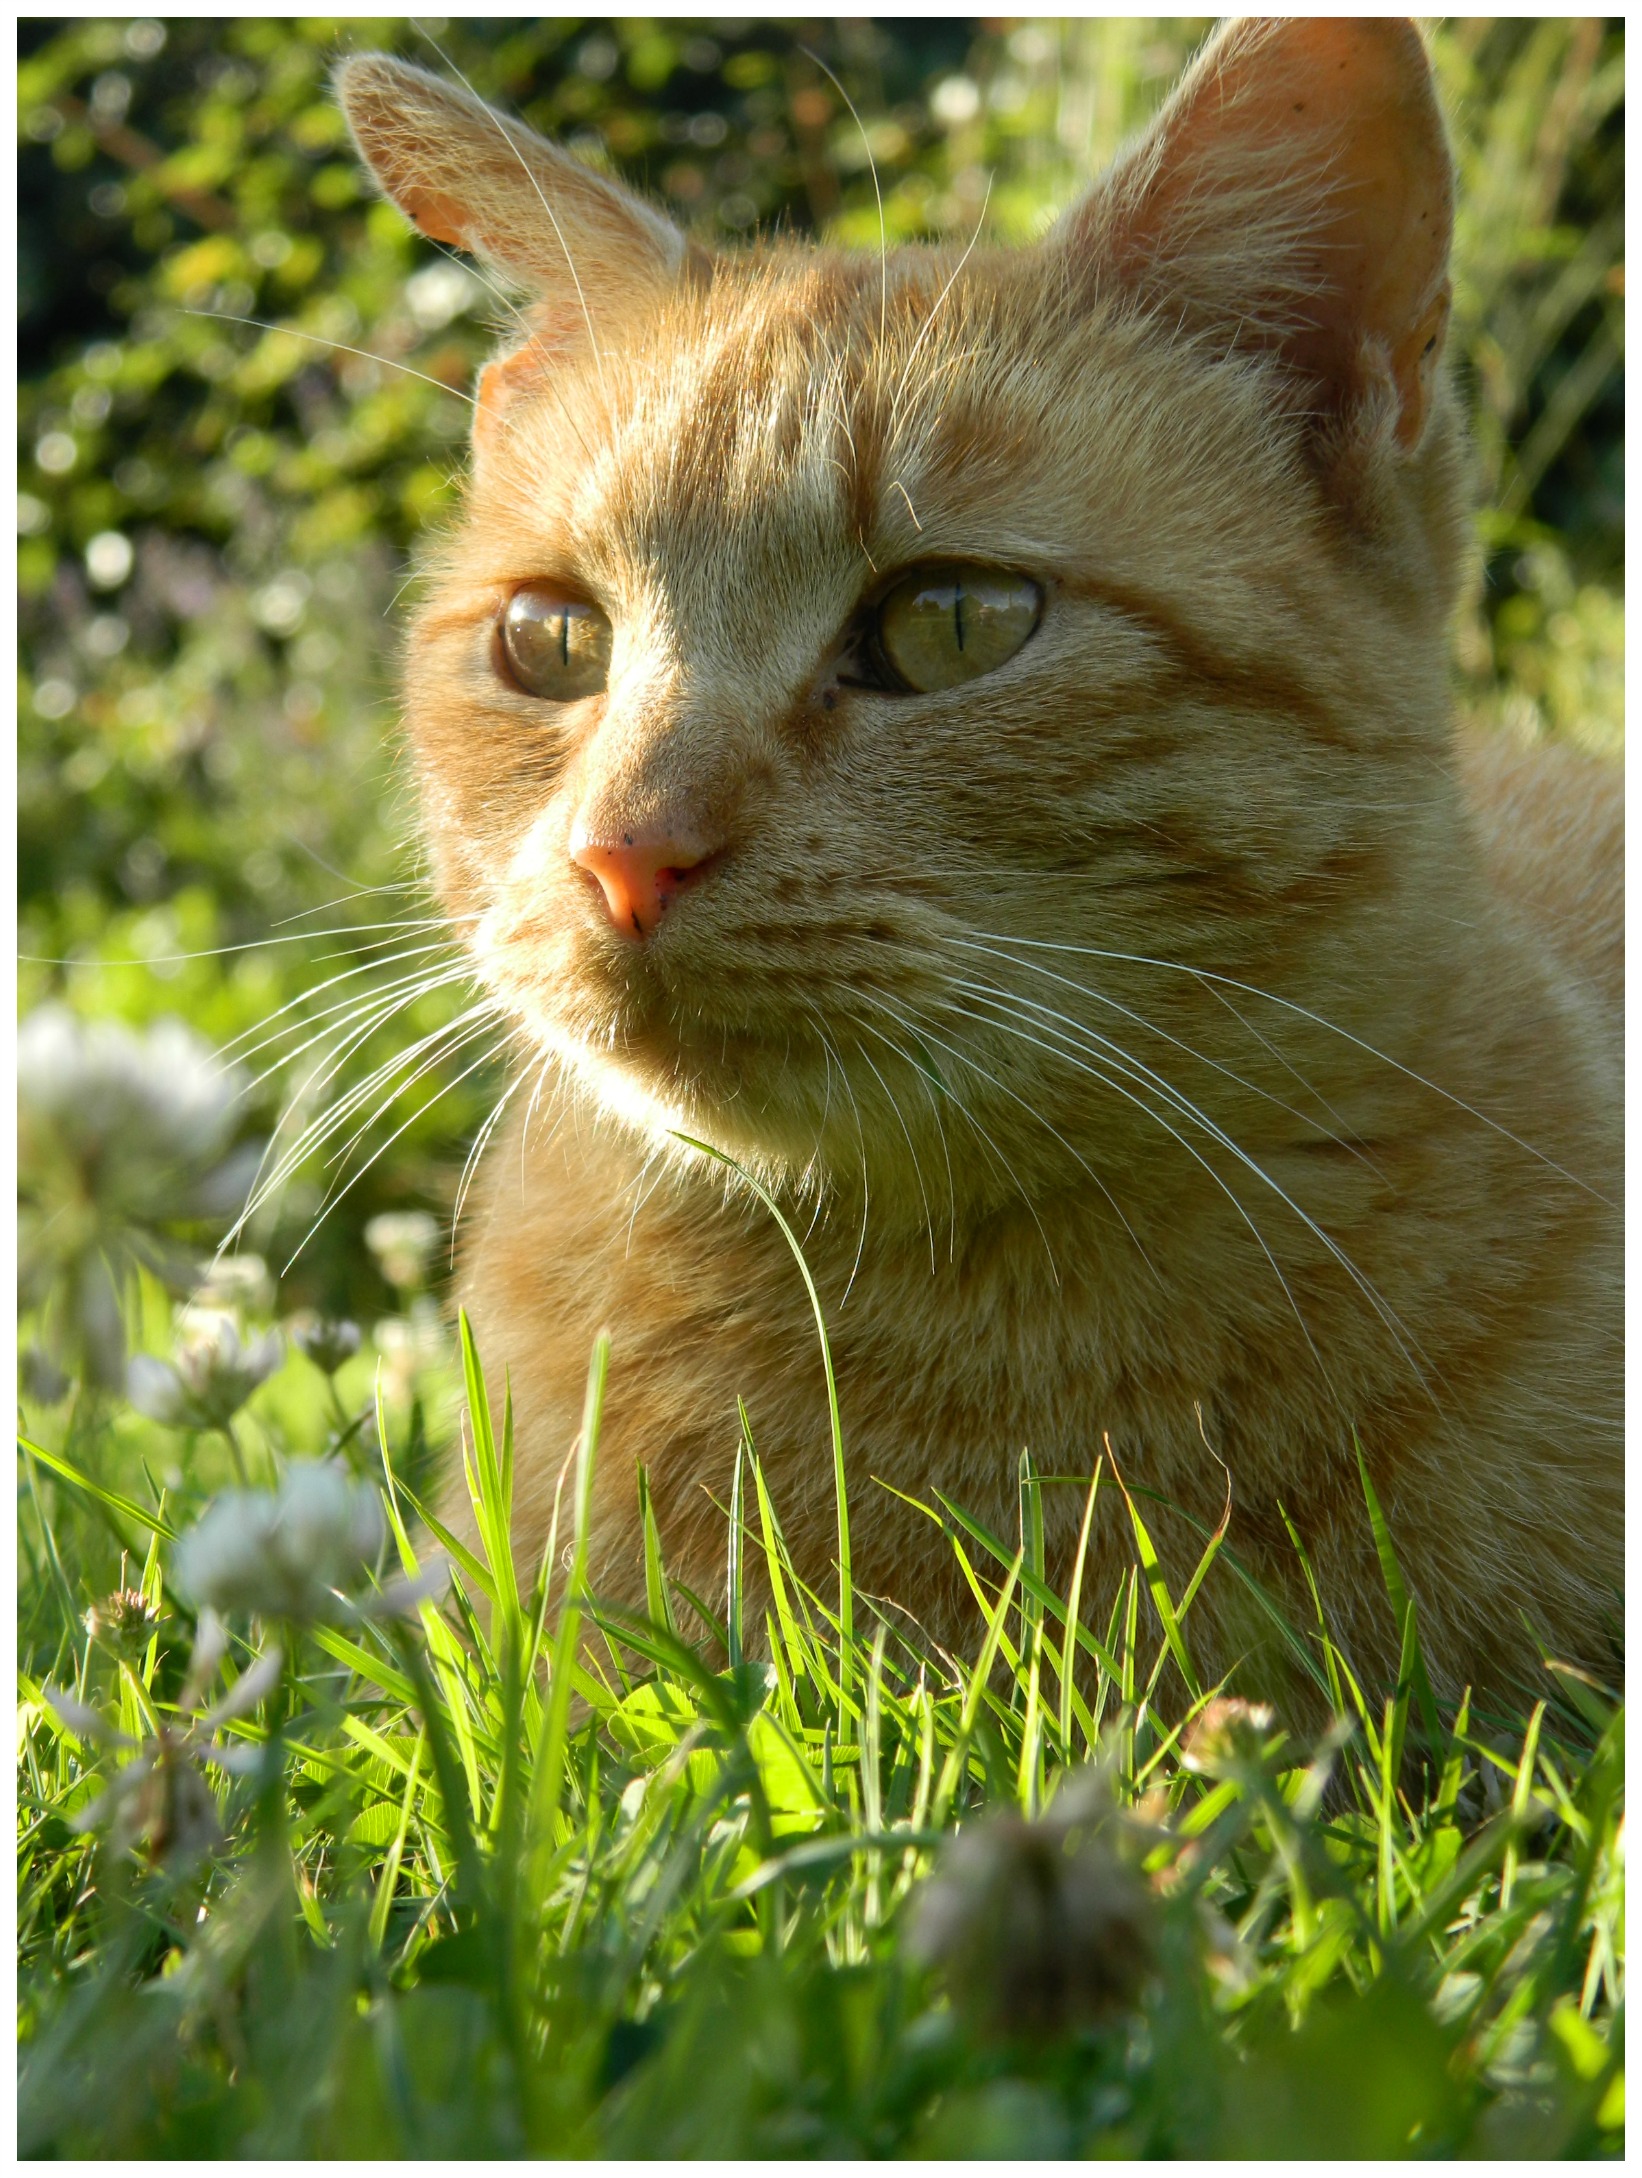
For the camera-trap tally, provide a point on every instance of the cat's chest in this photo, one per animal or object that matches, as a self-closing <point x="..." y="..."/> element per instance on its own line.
<point x="951" y="1352"/>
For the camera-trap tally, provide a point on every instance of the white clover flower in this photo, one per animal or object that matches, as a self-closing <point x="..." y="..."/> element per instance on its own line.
<point x="236" y="1282"/>
<point x="402" y="1241"/>
<point x="121" y="1138"/>
<point x="284" y="1553"/>
<point x="292" y="1552"/>
<point x="213" y="1373"/>
<point x="408" y="1345"/>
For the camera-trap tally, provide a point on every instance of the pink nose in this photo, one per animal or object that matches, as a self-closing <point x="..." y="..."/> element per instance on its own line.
<point x="639" y="874"/>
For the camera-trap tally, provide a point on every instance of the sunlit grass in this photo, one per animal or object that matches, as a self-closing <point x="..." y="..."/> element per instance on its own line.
<point x="541" y="1873"/>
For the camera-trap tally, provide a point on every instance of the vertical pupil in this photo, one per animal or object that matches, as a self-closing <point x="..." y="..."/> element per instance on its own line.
<point x="564" y="639"/>
<point x="958" y="615"/>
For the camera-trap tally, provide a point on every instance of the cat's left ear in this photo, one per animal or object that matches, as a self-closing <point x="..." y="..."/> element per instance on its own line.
<point x="1297" y="192"/>
<point x="589" y="252"/>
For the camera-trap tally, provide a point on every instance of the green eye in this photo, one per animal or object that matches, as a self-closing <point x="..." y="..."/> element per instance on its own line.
<point x="555" y="646"/>
<point x="946" y="625"/>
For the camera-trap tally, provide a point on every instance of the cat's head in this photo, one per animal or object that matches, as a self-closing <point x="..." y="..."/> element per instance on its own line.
<point x="826" y="636"/>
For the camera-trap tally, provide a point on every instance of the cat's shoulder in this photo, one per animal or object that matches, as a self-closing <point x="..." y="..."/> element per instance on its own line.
<point x="1551" y="823"/>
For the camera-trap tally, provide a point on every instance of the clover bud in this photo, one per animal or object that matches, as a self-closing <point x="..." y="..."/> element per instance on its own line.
<point x="123" y="1622"/>
<point x="328" y="1341"/>
<point x="172" y="1811"/>
<point x="1224" y="1732"/>
<point x="1038" y="1928"/>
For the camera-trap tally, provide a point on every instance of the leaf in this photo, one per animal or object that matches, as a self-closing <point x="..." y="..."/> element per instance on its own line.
<point x="155" y="1522"/>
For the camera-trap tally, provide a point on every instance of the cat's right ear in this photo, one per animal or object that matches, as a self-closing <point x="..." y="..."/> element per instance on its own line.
<point x="1296" y="196"/>
<point x="588" y="252"/>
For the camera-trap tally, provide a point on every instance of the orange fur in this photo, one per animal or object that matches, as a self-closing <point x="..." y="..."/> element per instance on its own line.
<point x="1174" y="1038"/>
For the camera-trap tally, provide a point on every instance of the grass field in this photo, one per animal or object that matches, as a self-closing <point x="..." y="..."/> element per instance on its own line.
<point x="539" y="1876"/>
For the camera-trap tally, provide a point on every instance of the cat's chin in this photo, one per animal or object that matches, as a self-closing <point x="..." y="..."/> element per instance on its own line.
<point x="744" y="1092"/>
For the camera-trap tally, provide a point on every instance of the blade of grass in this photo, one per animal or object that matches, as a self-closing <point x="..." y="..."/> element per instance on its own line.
<point x="957" y="1754"/>
<point x="388" y="1880"/>
<point x="1401" y="1604"/>
<point x="846" y="1579"/>
<point x="1521" y="1789"/>
<point x="1161" y="1599"/>
<point x="733" y="1626"/>
<point x="656" y="1599"/>
<point x="1074" y="1605"/>
<point x="546" y="1784"/>
<point x="994" y="1548"/>
<point x="1336" y="1693"/>
<point x="156" y="1523"/>
<point x="490" y="1484"/>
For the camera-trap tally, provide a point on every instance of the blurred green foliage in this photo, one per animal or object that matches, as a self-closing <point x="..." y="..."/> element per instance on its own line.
<point x="215" y="520"/>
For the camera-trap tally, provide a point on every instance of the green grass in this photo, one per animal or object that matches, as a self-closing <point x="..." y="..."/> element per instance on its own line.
<point x="539" y="1874"/>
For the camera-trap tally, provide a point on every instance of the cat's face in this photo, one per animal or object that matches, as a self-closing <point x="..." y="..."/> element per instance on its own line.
<point x="824" y="637"/>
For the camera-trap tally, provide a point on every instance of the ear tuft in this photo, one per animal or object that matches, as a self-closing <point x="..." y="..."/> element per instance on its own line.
<point x="1297" y="192"/>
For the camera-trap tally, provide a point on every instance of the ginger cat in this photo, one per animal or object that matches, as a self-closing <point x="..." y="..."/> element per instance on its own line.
<point x="967" y="733"/>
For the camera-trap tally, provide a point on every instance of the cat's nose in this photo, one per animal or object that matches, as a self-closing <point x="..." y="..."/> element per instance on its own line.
<point x="639" y="874"/>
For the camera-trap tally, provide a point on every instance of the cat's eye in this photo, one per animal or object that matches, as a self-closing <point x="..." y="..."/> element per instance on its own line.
<point x="946" y="625"/>
<point x="554" y="645"/>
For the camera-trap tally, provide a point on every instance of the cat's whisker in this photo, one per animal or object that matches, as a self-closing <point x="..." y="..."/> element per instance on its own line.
<point x="360" y="1015"/>
<point x="352" y="1033"/>
<point x="922" y="1030"/>
<point x="365" y="355"/>
<point x="321" y="1129"/>
<point x="430" y="1051"/>
<point x="1093" y="1175"/>
<point x="909" y="1061"/>
<point x="331" y="1200"/>
<point x="917" y="1168"/>
<point x="1346" y="1137"/>
<point x="1289" y="1005"/>
<point x="935" y="311"/>
<point x="872" y="169"/>
<point x="264" y="1030"/>
<point x="1011" y="1027"/>
<point x="470" y="1165"/>
<point x="1194" y="1114"/>
<point x="834" y="1056"/>
<point x="249" y="945"/>
<point x="1015" y="960"/>
<point x="642" y="1194"/>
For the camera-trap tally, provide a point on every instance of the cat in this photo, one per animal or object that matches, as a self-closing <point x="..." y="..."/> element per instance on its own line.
<point x="965" y="733"/>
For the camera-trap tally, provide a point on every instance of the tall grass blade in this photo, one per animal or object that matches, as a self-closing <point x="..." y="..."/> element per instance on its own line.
<point x="737" y="1538"/>
<point x="1074" y="1605"/>
<point x="1161" y="1600"/>
<point x="113" y="1500"/>
<point x="846" y="1577"/>
<point x="1401" y="1604"/>
<point x="547" y="1782"/>
<point x="952" y="1768"/>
